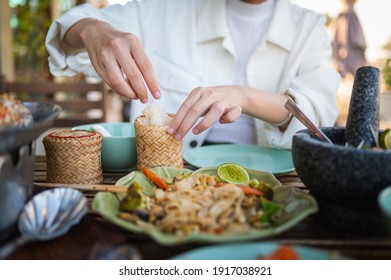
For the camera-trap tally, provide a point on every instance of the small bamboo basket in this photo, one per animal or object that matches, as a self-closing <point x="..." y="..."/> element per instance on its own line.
<point x="73" y="156"/>
<point x="155" y="147"/>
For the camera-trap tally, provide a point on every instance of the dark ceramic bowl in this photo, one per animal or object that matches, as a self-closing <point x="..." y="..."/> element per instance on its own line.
<point x="346" y="178"/>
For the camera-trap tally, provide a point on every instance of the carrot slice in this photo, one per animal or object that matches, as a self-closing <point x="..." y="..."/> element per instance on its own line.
<point x="250" y="190"/>
<point x="155" y="179"/>
<point x="246" y="190"/>
<point x="283" y="252"/>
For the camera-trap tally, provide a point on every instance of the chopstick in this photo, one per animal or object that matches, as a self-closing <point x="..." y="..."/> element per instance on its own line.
<point x="84" y="187"/>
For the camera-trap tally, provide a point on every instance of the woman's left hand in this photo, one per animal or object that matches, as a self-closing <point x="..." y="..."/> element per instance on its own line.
<point x="222" y="103"/>
<point x="225" y="104"/>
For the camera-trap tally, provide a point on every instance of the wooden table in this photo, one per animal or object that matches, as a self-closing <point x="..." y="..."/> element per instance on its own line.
<point x="80" y="240"/>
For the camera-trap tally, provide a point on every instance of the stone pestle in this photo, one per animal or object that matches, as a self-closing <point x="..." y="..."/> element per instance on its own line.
<point x="363" y="108"/>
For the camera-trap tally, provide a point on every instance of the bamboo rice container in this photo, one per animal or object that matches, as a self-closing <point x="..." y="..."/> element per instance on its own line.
<point x="73" y="156"/>
<point x="155" y="147"/>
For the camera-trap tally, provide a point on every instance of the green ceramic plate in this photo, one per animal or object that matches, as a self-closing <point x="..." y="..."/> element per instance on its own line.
<point x="296" y="206"/>
<point x="271" y="160"/>
<point x="252" y="251"/>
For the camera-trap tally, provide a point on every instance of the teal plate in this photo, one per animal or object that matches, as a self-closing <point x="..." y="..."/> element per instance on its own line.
<point x="252" y="251"/>
<point x="276" y="161"/>
<point x="296" y="206"/>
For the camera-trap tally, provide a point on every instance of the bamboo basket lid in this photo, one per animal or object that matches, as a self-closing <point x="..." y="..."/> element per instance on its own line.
<point x="73" y="156"/>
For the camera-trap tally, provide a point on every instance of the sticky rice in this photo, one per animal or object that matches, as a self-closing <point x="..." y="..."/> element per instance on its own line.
<point x="154" y="115"/>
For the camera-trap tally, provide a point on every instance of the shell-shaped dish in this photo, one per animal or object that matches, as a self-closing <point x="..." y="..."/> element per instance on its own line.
<point x="52" y="213"/>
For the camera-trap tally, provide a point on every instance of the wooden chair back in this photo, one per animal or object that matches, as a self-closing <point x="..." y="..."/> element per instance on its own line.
<point x="78" y="107"/>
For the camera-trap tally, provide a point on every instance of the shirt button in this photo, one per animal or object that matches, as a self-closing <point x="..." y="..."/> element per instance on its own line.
<point x="193" y="144"/>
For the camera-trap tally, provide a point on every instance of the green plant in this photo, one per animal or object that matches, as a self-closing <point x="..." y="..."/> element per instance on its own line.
<point x="31" y="22"/>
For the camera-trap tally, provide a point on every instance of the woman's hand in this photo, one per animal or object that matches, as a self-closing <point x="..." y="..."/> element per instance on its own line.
<point x="118" y="57"/>
<point x="223" y="104"/>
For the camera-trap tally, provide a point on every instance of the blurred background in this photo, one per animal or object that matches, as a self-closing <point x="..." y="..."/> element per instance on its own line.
<point x="360" y="35"/>
<point x="359" y="30"/>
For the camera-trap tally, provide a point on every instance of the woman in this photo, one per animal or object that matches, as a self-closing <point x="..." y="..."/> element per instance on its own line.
<point x="224" y="61"/>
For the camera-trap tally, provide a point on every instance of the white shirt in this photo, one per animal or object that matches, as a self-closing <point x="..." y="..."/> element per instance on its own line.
<point x="247" y="24"/>
<point x="188" y="47"/>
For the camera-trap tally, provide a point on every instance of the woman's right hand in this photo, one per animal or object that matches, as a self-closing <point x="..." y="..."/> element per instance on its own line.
<point x="118" y="57"/>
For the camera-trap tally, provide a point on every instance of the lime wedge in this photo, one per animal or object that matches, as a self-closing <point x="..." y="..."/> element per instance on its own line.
<point x="385" y="139"/>
<point x="233" y="173"/>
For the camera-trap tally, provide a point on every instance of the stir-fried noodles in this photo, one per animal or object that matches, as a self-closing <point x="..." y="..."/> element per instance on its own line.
<point x="199" y="203"/>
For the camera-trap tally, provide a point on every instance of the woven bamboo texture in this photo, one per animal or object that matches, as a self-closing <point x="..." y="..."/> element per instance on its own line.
<point x="73" y="156"/>
<point x="155" y="147"/>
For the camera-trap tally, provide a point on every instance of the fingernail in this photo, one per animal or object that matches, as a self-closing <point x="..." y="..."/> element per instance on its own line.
<point x="196" y="131"/>
<point x="145" y="100"/>
<point x="170" y="130"/>
<point x="178" y="136"/>
<point x="158" y="94"/>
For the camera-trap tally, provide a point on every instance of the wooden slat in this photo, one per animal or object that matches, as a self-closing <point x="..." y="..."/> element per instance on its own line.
<point x="79" y="106"/>
<point x="75" y="122"/>
<point x="51" y="87"/>
<point x="74" y="109"/>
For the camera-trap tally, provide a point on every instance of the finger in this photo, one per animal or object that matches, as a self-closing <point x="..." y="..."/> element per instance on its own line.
<point x="119" y="84"/>
<point x="144" y="65"/>
<point x="231" y="114"/>
<point x="188" y="114"/>
<point x="133" y="75"/>
<point x="118" y="62"/>
<point x="182" y="111"/>
<point x="215" y="112"/>
<point x="111" y="73"/>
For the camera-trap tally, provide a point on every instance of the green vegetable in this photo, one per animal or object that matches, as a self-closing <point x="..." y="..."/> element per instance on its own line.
<point x="270" y="209"/>
<point x="254" y="183"/>
<point x="134" y="199"/>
